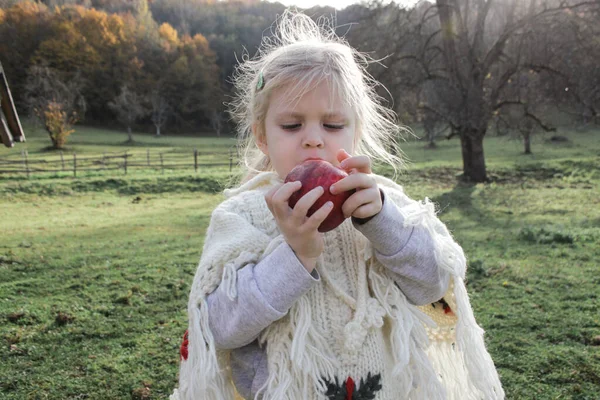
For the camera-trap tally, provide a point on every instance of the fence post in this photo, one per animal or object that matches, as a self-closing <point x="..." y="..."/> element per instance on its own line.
<point x="125" y="162"/>
<point x="74" y="165"/>
<point x="103" y="160"/>
<point x="230" y="160"/>
<point x="62" y="160"/>
<point x="25" y="161"/>
<point x="162" y="166"/>
<point x="196" y="160"/>
<point x="148" y="156"/>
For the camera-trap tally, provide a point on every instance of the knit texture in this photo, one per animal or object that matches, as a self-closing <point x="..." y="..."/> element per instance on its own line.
<point x="355" y="325"/>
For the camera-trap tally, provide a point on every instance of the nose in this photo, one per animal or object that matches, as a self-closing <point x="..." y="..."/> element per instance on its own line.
<point x="312" y="138"/>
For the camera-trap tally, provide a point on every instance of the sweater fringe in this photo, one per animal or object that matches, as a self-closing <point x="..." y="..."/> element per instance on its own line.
<point x="214" y="381"/>
<point x="299" y="355"/>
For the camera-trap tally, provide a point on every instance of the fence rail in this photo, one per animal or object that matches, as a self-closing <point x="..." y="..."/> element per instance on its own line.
<point x="107" y="162"/>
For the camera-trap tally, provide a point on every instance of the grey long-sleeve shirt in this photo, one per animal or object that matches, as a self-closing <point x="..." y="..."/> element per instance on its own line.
<point x="236" y="324"/>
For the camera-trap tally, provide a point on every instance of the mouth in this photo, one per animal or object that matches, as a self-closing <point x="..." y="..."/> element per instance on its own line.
<point x="312" y="158"/>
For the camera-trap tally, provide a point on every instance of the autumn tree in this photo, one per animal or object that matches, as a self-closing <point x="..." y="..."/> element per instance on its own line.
<point x="97" y="44"/>
<point x="231" y="27"/>
<point x="24" y="26"/>
<point x="57" y="103"/>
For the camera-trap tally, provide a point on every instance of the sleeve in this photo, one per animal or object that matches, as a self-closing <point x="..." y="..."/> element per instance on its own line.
<point x="265" y="293"/>
<point x="407" y="251"/>
<point x="240" y="242"/>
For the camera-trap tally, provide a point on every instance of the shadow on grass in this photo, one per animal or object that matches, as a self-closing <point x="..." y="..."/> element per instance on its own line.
<point x="460" y="197"/>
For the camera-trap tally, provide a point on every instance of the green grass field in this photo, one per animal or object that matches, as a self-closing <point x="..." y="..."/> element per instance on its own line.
<point x="95" y="271"/>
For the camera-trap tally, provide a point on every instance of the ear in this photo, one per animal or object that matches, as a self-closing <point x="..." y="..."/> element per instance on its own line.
<point x="260" y="138"/>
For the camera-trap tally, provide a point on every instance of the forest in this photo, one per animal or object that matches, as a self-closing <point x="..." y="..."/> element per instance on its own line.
<point x="457" y="68"/>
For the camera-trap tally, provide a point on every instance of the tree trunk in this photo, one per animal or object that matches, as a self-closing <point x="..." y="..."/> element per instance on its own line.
<point x="157" y="130"/>
<point x="429" y="133"/>
<point x="56" y="144"/>
<point x="129" y="135"/>
<point x="473" y="158"/>
<point x="527" y="141"/>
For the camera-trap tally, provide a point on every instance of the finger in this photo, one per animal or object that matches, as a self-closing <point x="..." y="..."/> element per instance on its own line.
<point x="342" y="154"/>
<point x="305" y="203"/>
<point x="354" y="181"/>
<point x="361" y="198"/>
<point x="366" y="211"/>
<point x="269" y="197"/>
<point x="319" y="216"/>
<point x="285" y="191"/>
<point x="359" y="163"/>
<point x="280" y="198"/>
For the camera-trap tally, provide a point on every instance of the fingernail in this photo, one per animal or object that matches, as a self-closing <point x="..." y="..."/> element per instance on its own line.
<point x="331" y="188"/>
<point x="329" y="204"/>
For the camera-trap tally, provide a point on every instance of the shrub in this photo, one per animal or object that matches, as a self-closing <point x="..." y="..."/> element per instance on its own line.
<point x="58" y="123"/>
<point x="545" y="236"/>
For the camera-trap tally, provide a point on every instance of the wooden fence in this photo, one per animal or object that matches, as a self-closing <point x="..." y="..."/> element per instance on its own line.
<point x="116" y="161"/>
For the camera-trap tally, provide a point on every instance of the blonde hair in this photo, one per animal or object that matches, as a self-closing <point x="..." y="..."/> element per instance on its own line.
<point x="305" y="52"/>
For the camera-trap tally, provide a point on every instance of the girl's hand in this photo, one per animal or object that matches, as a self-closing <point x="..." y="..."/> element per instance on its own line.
<point x="366" y="201"/>
<point x="300" y="231"/>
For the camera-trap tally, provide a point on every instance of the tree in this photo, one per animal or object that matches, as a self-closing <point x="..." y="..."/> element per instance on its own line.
<point x="472" y="51"/>
<point x="95" y="43"/>
<point x="58" y="104"/>
<point x="161" y="110"/>
<point x="573" y="51"/>
<point x="129" y="108"/>
<point x="24" y="26"/>
<point x="216" y="121"/>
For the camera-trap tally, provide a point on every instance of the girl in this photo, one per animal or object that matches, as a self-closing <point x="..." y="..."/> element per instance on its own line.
<point x="376" y="308"/>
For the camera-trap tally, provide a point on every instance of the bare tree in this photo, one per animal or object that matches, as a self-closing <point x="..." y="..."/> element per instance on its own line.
<point x="216" y="121"/>
<point x="129" y="107"/>
<point x="472" y="52"/>
<point x="573" y="53"/>
<point x="161" y="110"/>
<point x="56" y="102"/>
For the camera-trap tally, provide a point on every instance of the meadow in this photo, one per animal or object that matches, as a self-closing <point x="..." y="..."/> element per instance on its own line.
<point x="95" y="271"/>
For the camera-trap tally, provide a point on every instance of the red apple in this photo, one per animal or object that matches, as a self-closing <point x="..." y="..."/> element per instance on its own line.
<point x="313" y="173"/>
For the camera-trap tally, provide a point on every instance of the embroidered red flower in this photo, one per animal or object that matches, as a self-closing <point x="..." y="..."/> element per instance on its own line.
<point x="183" y="350"/>
<point x="445" y="306"/>
<point x="447" y="309"/>
<point x="347" y="390"/>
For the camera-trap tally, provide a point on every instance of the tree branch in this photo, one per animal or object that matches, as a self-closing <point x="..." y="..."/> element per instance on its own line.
<point x="502" y="82"/>
<point x="545" y="127"/>
<point x="480" y="25"/>
<point x="439" y="114"/>
<point x="498" y="46"/>
<point x="508" y="103"/>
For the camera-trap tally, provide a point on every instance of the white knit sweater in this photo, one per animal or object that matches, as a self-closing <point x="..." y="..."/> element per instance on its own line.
<point x="357" y="324"/>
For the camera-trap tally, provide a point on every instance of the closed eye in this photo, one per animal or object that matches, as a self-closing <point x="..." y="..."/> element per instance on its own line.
<point x="290" y="127"/>
<point x="334" y="126"/>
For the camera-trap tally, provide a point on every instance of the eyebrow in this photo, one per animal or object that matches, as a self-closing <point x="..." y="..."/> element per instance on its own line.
<point x="332" y="115"/>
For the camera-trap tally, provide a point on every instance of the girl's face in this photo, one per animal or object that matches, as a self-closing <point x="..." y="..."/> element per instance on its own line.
<point x="314" y="126"/>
